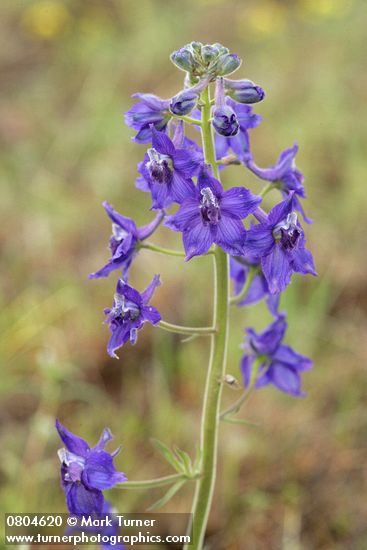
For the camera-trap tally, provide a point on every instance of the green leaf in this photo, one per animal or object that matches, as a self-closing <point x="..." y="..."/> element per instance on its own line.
<point x="168" y="455"/>
<point x="167" y="497"/>
<point x="185" y="460"/>
<point x="231" y="420"/>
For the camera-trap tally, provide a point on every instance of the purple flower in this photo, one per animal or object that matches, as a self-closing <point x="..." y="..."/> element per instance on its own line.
<point x="279" y="243"/>
<point x="240" y="143"/>
<point x="258" y="289"/>
<point x="225" y="122"/>
<point x="285" y="176"/>
<point x="150" y="111"/>
<point x="184" y="102"/>
<point x="86" y="472"/>
<point x="124" y="240"/>
<point x="277" y="363"/>
<point x="211" y="215"/>
<point x="166" y="171"/>
<point x="244" y="91"/>
<point x="129" y="312"/>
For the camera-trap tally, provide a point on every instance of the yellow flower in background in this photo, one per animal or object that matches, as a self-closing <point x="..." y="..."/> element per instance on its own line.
<point x="325" y="8"/>
<point x="264" y="18"/>
<point x="46" y="18"/>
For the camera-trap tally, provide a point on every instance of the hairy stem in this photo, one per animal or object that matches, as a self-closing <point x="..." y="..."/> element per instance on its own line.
<point x="151" y="483"/>
<point x="178" y="329"/>
<point x="216" y="370"/>
<point x="162" y="250"/>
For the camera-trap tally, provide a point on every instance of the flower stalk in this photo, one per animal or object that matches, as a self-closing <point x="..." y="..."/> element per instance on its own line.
<point x="217" y="364"/>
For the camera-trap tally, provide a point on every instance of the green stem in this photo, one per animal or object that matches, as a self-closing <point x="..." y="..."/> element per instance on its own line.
<point x="233" y="409"/>
<point x="265" y="190"/>
<point x="178" y="329"/>
<point x="151" y="483"/>
<point x="188" y="119"/>
<point x="162" y="250"/>
<point x="216" y="370"/>
<point x="241" y="295"/>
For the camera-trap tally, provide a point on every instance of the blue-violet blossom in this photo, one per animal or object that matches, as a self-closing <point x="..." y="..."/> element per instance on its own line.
<point x="86" y="472"/>
<point x="240" y="267"/>
<point x="167" y="171"/>
<point x="285" y="175"/>
<point x="124" y="241"/>
<point x="276" y="363"/>
<point x="240" y="143"/>
<point x="211" y="215"/>
<point x="279" y="243"/>
<point x="129" y="312"/>
<point x="150" y="111"/>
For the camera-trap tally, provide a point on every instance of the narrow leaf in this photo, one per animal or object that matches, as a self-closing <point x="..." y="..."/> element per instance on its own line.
<point x="167" y="497"/>
<point x="168" y="455"/>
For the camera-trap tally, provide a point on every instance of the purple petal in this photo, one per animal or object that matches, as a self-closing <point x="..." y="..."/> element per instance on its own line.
<point x="81" y="500"/>
<point x="239" y="202"/>
<point x="99" y="471"/>
<point x="281" y="210"/>
<point x="181" y="188"/>
<point x="151" y="314"/>
<point x="277" y="269"/>
<point x="256" y="292"/>
<point x="230" y="235"/>
<point x="286" y="355"/>
<point x="277" y="171"/>
<point x="269" y="340"/>
<point x="152" y="101"/>
<point x="160" y="196"/>
<point x="118" y="338"/>
<point x="285" y="379"/>
<point x="147" y="230"/>
<point x="147" y="294"/>
<point x="128" y="292"/>
<point x="197" y="239"/>
<point x="162" y="143"/>
<point x="106" y="436"/>
<point x="259" y="241"/>
<point x="72" y="442"/>
<point x="187" y="162"/>
<point x="142" y="184"/>
<point x="206" y="180"/>
<point x="246" y="368"/>
<point x="273" y="304"/>
<point x="222" y="146"/>
<point x="240" y="145"/>
<point x="302" y="262"/>
<point x="126" y="223"/>
<point x="187" y="214"/>
<point x="238" y="273"/>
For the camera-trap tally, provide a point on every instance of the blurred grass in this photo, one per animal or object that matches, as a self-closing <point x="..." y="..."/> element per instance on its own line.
<point x="68" y="68"/>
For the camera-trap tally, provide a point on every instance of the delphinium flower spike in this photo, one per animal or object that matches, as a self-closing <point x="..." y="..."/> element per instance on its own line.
<point x="262" y="255"/>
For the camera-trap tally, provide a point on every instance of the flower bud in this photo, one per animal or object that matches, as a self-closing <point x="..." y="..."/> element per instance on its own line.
<point x="225" y="121"/>
<point x="209" y="53"/>
<point x="226" y="64"/>
<point x="183" y="103"/>
<point x="184" y="59"/>
<point x="244" y="91"/>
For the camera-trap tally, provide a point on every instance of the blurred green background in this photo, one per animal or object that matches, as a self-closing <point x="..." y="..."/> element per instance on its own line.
<point x="68" y="68"/>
